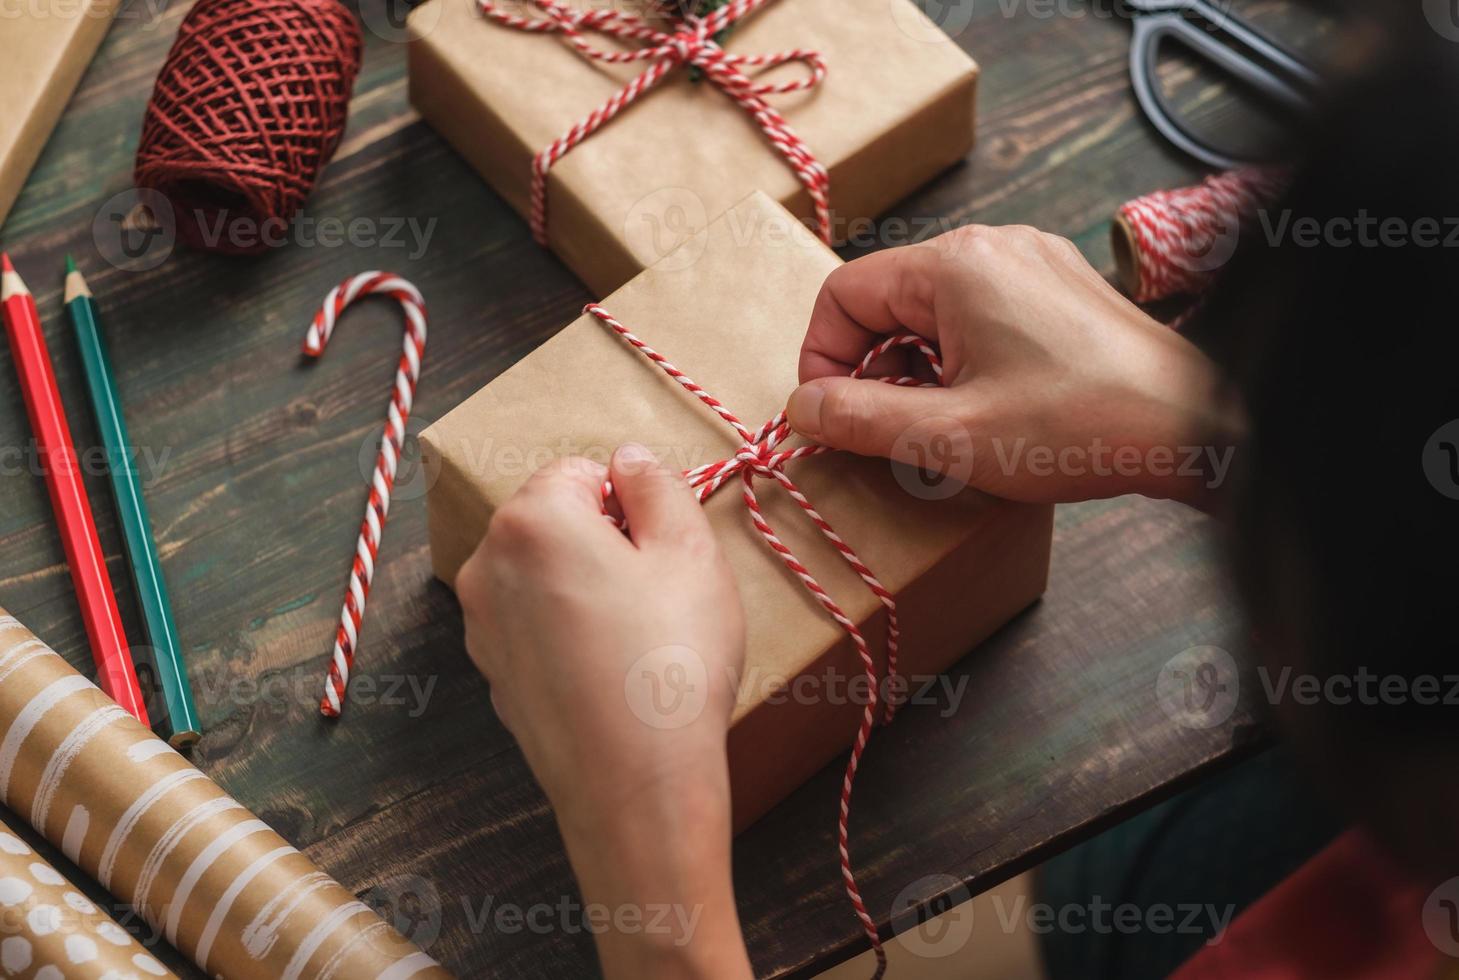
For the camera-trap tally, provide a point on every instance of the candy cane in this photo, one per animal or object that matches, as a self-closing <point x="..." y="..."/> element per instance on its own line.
<point x="362" y="572"/>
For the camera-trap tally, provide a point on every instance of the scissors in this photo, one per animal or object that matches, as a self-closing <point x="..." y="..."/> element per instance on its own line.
<point x="1210" y="29"/>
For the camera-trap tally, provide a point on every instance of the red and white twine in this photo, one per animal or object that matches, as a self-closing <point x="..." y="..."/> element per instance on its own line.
<point x="760" y="455"/>
<point x="693" y="44"/>
<point x="407" y="373"/>
<point x="1179" y="239"/>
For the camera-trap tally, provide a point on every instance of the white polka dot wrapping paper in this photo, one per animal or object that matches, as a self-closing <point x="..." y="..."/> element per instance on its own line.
<point x="49" y="930"/>
<point x="159" y="835"/>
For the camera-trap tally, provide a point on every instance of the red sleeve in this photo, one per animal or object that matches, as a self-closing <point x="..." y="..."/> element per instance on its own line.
<point x="1346" y="913"/>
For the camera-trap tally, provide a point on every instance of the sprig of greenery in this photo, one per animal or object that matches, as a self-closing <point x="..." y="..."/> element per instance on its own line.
<point x="701" y="8"/>
<point x="687" y="8"/>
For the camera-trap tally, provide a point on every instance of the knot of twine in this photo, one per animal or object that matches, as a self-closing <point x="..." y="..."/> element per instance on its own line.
<point x="248" y="108"/>
<point x="1175" y="242"/>
<point x="760" y="456"/>
<point x="692" y="45"/>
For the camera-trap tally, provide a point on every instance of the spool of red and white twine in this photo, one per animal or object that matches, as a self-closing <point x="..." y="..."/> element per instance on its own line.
<point x="1174" y="242"/>
<point x="407" y="373"/>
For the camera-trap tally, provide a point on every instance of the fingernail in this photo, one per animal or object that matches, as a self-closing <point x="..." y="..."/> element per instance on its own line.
<point x="804" y="409"/>
<point x="633" y="455"/>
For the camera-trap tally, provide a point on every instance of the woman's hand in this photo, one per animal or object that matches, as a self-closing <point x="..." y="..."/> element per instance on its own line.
<point x="1057" y="387"/>
<point x="614" y="661"/>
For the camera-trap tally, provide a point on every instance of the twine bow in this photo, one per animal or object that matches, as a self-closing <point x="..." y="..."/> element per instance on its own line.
<point x="760" y="456"/>
<point x="694" y="45"/>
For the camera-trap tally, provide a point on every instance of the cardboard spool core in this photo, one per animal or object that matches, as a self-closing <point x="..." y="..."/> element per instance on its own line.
<point x="1122" y="243"/>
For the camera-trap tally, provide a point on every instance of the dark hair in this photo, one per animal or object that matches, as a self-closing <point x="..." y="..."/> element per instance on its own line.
<point x="1345" y="357"/>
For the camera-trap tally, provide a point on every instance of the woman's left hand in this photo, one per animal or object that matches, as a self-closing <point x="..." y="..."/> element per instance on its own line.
<point x="614" y="660"/>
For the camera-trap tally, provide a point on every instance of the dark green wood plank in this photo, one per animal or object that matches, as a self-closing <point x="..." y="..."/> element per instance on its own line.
<point x="261" y="477"/>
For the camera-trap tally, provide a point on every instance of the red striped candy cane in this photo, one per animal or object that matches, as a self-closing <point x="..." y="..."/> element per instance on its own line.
<point x="407" y="373"/>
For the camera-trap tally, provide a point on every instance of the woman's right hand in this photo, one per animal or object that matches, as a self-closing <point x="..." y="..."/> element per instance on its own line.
<point x="1056" y="387"/>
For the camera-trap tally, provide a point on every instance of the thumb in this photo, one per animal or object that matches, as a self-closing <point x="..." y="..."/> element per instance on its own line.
<point x="657" y="504"/>
<point x="860" y="415"/>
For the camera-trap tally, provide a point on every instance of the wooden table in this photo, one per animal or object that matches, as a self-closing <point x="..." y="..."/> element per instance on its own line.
<point x="257" y="474"/>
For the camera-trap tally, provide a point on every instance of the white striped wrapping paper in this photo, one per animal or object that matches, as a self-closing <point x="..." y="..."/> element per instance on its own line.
<point x="218" y="883"/>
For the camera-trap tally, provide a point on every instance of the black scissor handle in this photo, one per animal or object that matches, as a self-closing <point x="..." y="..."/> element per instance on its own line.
<point x="1230" y="44"/>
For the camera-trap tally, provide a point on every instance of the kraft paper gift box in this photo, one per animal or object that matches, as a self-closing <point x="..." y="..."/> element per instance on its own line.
<point x="730" y="309"/>
<point x="896" y="107"/>
<point x="44" y="49"/>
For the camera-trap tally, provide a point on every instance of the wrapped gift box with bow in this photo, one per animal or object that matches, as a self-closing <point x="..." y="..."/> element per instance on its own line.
<point x="44" y="51"/>
<point x="729" y="310"/>
<point x="620" y="131"/>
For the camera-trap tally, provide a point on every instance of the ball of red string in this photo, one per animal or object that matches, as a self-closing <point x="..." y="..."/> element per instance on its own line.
<point x="248" y="108"/>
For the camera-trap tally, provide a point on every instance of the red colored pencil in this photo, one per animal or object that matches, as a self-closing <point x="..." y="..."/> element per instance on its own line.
<point x="115" y="672"/>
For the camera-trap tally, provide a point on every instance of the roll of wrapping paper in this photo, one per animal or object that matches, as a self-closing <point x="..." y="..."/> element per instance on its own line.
<point x="157" y="833"/>
<point x="52" y="931"/>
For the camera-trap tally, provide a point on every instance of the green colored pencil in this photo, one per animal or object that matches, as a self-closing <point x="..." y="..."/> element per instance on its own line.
<point x="182" y="715"/>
